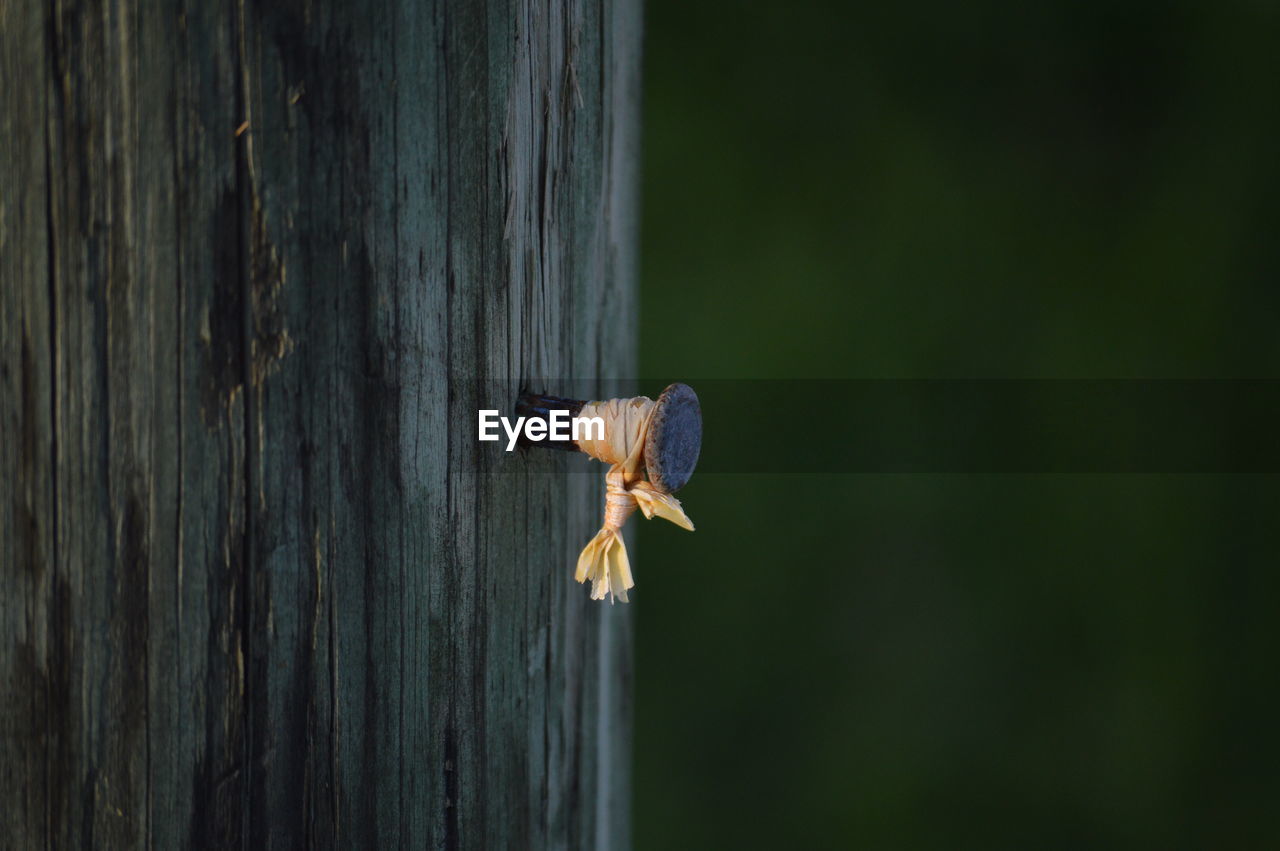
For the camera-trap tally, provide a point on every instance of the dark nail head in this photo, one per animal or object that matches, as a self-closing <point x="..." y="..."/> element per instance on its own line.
<point x="675" y="438"/>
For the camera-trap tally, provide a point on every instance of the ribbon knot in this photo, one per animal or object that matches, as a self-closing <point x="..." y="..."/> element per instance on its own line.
<point x="604" y="559"/>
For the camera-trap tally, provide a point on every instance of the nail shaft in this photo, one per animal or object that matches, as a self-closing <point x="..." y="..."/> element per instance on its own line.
<point x="537" y="406"/>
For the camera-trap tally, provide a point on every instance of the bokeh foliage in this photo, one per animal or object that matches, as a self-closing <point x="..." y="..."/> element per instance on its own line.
<point x="976" y="190"/>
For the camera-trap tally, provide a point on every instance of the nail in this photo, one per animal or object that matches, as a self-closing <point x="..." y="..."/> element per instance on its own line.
<point x="537" y="406"/>
<point x="671" y="447"/>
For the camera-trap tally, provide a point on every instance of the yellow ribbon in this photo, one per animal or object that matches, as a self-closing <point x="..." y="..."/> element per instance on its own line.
<point x="604" y="559"/>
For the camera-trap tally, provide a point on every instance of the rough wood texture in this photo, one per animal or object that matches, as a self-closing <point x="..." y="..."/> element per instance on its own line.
<point x="262" y="263"/>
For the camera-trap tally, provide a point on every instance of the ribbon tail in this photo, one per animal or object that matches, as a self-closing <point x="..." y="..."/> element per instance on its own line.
<point x="619" y="571"/>
<point x="654" y="503"/>
<point x="592" y="556"/>
<point x="604" y="561"/>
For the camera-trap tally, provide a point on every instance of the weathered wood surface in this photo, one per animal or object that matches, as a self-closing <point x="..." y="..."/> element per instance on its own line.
<point x="261" y="263"/>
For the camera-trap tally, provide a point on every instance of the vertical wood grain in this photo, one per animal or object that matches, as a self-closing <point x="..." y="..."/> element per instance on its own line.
<point x="261" y="264"/>
<point x="30" y="708"/>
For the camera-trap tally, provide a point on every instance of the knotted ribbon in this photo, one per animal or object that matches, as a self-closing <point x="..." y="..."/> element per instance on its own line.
<point x="626" y="425"/>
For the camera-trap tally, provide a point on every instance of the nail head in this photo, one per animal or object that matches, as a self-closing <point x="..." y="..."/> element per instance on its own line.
<point x="675" y="438"/>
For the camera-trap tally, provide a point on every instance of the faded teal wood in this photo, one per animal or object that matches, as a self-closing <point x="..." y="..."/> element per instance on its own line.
<point x="261" y="264"/>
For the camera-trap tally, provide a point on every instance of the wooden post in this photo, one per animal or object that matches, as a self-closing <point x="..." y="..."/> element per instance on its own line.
<point x="261" y="264"/>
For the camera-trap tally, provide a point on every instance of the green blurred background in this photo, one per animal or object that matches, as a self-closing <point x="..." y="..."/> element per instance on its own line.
<point x="960" y="661"/>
